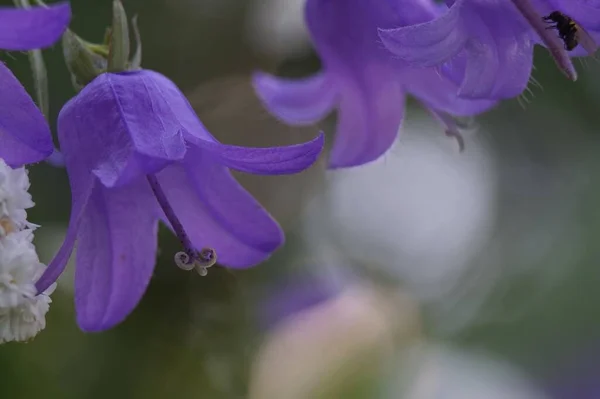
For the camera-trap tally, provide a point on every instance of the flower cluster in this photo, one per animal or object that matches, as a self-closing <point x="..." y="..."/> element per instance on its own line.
<point x="457" y="58"/>
<point x="22" y="312"/>
<point x="137" y="154"/>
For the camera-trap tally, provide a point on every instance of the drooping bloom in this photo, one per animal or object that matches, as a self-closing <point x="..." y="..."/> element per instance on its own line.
<point x="361" y="79"/>
<point x="22" y="312"/>
<point x="24" y="133"/>
<point x="136" y="153"/>
<point x="486" y="46"/>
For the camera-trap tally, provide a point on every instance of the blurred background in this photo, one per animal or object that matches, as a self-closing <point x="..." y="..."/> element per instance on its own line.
<point x="426" y="274"/>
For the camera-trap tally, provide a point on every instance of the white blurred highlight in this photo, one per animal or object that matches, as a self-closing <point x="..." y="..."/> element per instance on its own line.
<point x="277" y="28"/>
<point x="438" y="372"/>
<point x="421" y="213"/>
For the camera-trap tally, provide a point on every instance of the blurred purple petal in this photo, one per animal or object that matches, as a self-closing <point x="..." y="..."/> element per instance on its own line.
<point x="438" y="92"/>
<point x="56" y="159"/>
<point x="293" y="297"/>
<point x="429" y="43"/>
<point x="585" y="12"/>
<point x="296" y="101"/>
<point x="217" y="212"/>
<point x="370" y="114"/>
<point x="266" y="161"/>
<point x="495" y="58"/>
<point x="38" y="27"/>
<point x="362" y="80"/>
<point x="115" y="260"/>
<point x="24" y="133"/>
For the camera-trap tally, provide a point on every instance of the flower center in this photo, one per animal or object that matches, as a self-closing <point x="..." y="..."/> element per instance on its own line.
<point x="189" y="258"/>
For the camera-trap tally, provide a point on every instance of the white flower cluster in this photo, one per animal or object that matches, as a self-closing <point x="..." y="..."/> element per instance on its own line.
<point x="22" y="312"/>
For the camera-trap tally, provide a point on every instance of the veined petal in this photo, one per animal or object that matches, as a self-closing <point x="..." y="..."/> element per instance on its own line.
<point x="122" y="123"/>
<point x="180" y="108"/>
<point x="370" y="114"/>
<point x="296" y="101"/>
<point x="116" y="253"/>
<point x="38" y="27"/>
<point x="217" y="212"/>
<point x="265" y="161"/>
<point x="24" y="133"/>
<point x="429" y="43"/>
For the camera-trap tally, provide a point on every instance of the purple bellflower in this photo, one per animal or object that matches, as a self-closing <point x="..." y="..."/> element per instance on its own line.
<point x="362" y="80"/>
<point x="486" y="46"/>
<point x="24" y="133"/>
<point x="136" y="153"/>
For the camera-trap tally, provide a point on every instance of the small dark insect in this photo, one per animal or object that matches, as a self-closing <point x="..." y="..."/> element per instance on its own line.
<point x="567" y="28"/>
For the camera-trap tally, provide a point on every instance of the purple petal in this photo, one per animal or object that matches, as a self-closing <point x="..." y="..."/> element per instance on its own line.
<point x="24" y="133"/>
<point x="116" y="253"/>
<point x="367" y="80"/>
<point x="80" y="194"/>
<point x="482" y="66"/>
<point x="439" y="93"/>
<point x="585" y="12"/>
<point x="79" y="161"/>
<point x="38" y="27"/>
<point x="516" y="59"/>
<point x="411" y="12"/>
<point x="217" y="212"/>
<point x="296" y="101"/>
<point x="429" y="43"/>
<point x="179" y="106"/>
<point x="369" y="117"/>
<point x="265" y="161"/>
<point x="499" y="58"/>
<point x="123" y="124"/>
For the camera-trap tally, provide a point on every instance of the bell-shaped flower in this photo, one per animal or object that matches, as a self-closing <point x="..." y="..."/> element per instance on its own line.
<point x="24" y="133"/>
<point x="136" y="153"/>
<point x="490" y="42"/>
<point x="360" y="79"/>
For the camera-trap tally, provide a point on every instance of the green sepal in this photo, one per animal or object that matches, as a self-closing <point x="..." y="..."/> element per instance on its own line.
<point x="118" y="54"/>
<point x="83" y="63"/>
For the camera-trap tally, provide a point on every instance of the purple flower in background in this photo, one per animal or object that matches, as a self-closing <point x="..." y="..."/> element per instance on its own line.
<point x="578" y="376"/>
<point x="361" y="79"/>
<point x="136" y="153"/>
<point x="292" y="297"/>
<point x="24" y="133"/>
<point x="486" y="46"/>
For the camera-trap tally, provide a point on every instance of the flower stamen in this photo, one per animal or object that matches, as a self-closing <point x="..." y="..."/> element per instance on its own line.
<point x="189" y="258"/>
<point x="452" y="129"/>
